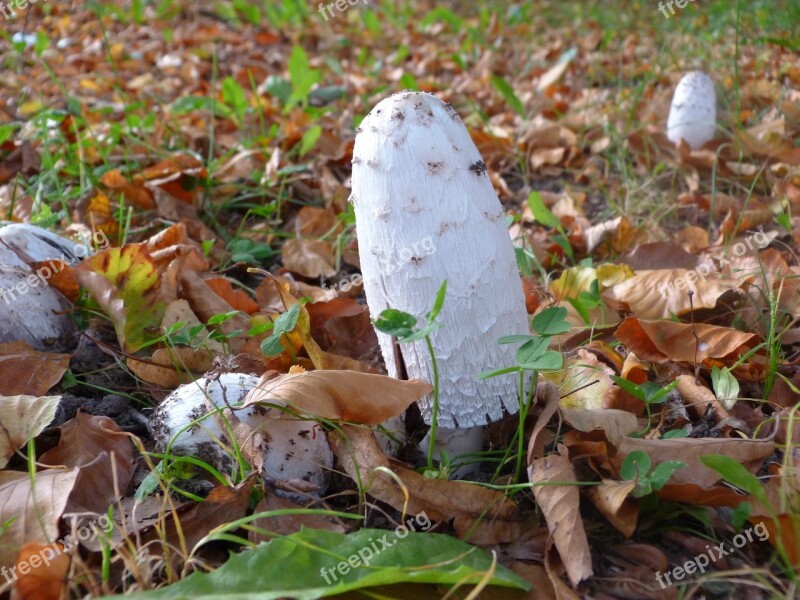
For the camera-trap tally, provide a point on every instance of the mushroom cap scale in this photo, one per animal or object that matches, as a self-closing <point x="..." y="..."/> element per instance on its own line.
<point x="426" y="211"/>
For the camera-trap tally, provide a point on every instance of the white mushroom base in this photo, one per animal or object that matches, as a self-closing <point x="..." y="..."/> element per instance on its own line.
<point x="454" y="443"/>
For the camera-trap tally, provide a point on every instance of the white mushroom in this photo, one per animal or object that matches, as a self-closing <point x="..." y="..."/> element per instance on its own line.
<point x="30" y="310"/>
<point x="293" y="449"/>
<point x="426" y="212"/>
<point x="693" y="113"/>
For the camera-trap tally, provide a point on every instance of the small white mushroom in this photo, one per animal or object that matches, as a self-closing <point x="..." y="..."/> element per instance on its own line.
<point x="693" y="112"/>
<point x="426" y="212"/>
<point x="30" y="310"/>
<point x="293" y="449"/>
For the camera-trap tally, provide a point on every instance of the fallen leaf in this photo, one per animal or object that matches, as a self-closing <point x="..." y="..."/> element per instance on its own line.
<point x="21" y="419"/>
<point x="103" y="453"/>
<point x="309" y="258"/>
<point x="664" y="341"/>
<point x="560" y="505"/>
<point x="125" y="283"/>
<point x="24" y="370"/>
<point x="345" y="395"/>
<point x="28" y="517"/>
<point x="42" y="572"/>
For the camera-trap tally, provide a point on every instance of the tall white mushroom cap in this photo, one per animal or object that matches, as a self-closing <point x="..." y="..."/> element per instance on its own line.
<point x="425" y="212"/>
<point x="693" y="112"/>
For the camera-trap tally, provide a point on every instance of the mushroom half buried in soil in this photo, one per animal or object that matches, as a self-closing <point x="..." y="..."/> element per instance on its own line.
<point x="693" y="112"/>
<point x="293" y="450"/>
<point x="426" y="212"/>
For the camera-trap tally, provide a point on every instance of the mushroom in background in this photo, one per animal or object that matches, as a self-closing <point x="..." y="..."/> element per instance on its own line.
<point x="426" y="212"/>
<point x="693" y="112"/>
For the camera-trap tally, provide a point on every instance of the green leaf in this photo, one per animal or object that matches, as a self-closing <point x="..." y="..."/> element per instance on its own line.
<point x="549" y="361"/>
<point x="278" y="87"/>
<point x="513" y="339"/>
<point x="541" y="213"/>
<point x="233" y="95"/>
<point x="551" y="321"/>
<point x="663" y="472"/>
<point x="302" y="75"/>
<point x="531" y="350"/>
<point x="635" y="466"/>
<point x="511" y="98"/>
<point x="739" y="515"/>
<point x="316" y="563"/>
<point x="288" y="320"/>
<point x="438" y="303"/>
<point x="495" y="373"/>
<point x="272" y="346"/>
<point x="630" y="388"/>
<point x="654" y="393"/>
<point x="309" y="139"/>
<point x="396" y="322"/>
<point x="734" y="472"/>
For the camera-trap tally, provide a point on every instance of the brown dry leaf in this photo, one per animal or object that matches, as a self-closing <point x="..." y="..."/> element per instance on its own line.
<point x="41" y="579"/>
<point x="664" y="341"/>
<point x="611" y="499"/>
<point x="661" y="293"/>
<point x="62" y="277"/>
<point x="104" y="454"/>
<point x="223" y="505"/>
<point x="237" y="298"/>
<point x="616" y="424"/>
<point x="96" y="212"/>
<point x="170" y="367"/>
<point x="536" y="575"/>
<point x="22" y="159"/>
<point x="178" y="175"/>
<point x="179" y="311"/>
<point x="692" y="239"/>
<point x="347" y="395"/>
<point x="698" y="398"/>
<point x="361" y="457"/>
<point x="24" y="520"/>
<point x="343" y="326"/>
<point x="314" y="222"/>
<point x="309" y="258"/>
<point x="547" y="396"/>
<point x="134" y="193"/>
<point x="205" y="304"/>
<point x="634" y="369"/>
<point x="689" y="493"/>
<point x="287" y="524"/>
<point x="23" y="418"/>
<point x="750" y="453"/>
<point x="24" y="370"/>
<point x="560" y="505"/>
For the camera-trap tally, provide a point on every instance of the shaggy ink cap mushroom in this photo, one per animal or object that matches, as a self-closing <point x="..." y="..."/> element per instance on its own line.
<point x="426" y="212"/>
